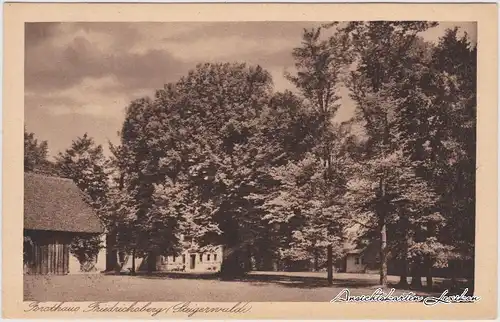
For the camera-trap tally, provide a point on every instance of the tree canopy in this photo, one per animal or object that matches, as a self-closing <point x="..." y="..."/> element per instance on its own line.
<point x="221" y="157"/>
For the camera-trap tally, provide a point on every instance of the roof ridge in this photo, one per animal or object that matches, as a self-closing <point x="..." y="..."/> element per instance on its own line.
<point x="38" y="174"/>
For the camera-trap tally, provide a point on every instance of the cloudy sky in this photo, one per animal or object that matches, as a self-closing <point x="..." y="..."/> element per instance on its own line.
<point x="79" y="77"/>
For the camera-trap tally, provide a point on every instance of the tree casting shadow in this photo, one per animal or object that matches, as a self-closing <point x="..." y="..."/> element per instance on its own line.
<point x="306" y="282"/>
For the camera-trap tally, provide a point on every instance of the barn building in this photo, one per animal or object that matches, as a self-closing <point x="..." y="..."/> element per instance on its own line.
<point x="354" y="261"/>
<point x="55" y="211"/>
<point x="367" y="260"/>
<point x="191" y="258"/>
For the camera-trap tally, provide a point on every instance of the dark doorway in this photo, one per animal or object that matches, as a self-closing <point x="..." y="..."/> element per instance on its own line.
<point x="46" y="252"/>
<point x="192" y="262"/>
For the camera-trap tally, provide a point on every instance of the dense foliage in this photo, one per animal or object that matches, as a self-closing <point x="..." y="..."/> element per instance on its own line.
<point x="220" y="157"/>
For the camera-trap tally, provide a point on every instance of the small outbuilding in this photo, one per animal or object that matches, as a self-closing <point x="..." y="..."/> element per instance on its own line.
<point x="354" y="261"/>
<point x="55" y="212"/>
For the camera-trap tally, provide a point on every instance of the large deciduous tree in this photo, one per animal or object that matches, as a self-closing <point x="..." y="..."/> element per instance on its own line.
<point x="85" y="164"/>
<point x="36" y="155"/>
<point x="383" y="55"/>
<point x="191" y="160"/>
<point x="439" y="107"/>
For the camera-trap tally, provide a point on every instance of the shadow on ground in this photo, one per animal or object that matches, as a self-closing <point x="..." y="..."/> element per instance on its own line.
<point x="457" y="287"/>
<point x="310" y="282"/>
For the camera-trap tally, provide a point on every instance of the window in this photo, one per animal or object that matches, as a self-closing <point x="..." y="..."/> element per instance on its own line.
<point x="201" y="257"/>
<point x="208" y="257"/>
<point x="215" y="257"/>
<point x="356" y="260"/>
<point x="174" y="259"/>
<point x="183" y="259"/>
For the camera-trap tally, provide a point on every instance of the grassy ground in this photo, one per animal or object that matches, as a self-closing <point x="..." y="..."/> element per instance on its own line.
<point x="256" y="287"/>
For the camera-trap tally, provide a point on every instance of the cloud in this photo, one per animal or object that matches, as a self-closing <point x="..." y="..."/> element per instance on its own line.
<point x="433" y="34"/>
<point x="71" y="54"/>
<point x="82" y="75"/>
<point x="147" y="55"/>
<point x="217" y="48"/>
<point x="265" y="43"/>
<point x="95" y="69"/>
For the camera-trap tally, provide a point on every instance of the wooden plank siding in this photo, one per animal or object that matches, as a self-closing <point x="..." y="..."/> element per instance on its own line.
<point x="48" y="259"/>
<point x="48" y="252"/>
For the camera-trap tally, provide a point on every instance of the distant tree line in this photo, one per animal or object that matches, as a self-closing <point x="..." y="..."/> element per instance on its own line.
<point x="223" y="158"/>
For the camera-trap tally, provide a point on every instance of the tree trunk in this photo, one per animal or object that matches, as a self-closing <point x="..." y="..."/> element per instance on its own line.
<point x="111" y="253"/>
<point x="471" y="273"/>
<point x="329" y="264"/>
<point x="316" y="260"/>
<point x="383" y="255"/>
<point x="428" y="277"/>
<point x="416" y="276"/>
<point x="428" y="260"/>
<point x="383" y="232"/>
<point x="429" y="281"/>
<point x="248" y="257"/>
<point x="151" y="262"/>
<point x="231" y="266"/>
<point x="403" y="276"/>
<point x="112" y="261"/>
<point x="277" y="265"/>
<point x="453" y="274"/>
<point x="267" y="261"/>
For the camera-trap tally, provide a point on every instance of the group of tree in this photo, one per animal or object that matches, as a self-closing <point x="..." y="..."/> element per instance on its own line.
<point x="219" y="156"/>
<point x="415" y="180"/>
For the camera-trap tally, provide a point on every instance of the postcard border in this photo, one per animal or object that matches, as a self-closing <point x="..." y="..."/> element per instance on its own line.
<point x="16" y="14"/>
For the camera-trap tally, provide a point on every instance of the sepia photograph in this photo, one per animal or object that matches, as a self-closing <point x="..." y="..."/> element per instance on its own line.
<point x="248" y="161"/>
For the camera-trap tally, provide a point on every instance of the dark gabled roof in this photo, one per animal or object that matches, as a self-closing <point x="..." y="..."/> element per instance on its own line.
<point x="52" y="203"/>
